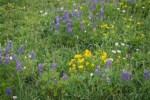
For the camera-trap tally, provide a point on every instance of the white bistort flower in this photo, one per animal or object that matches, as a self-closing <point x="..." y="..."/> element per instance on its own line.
<point x="116" y="44"/>
<point x="113" y="51"/>
<point x="119" y="51"/>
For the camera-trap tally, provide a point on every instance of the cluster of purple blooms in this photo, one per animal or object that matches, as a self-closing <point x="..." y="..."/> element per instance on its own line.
<point x="108" y="63"/>
<point x="0" y="56"/>
<point x="9" y="55"/>
<point x="40" y="69"/>
<point x="97" y="70"/>
<point x="8" y="91"/>
<point x="146" y="75"/>
<point x="126" y="75"/>
<point x="54" y="65"/>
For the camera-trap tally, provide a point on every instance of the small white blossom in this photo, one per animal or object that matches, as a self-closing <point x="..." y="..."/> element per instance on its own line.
<point x="62" y="8"/>
<point x="45" y="14"/>
<point x="10" y="57"/>
<point x="123" y="58"/>
<point x="29" y="56"/>
<point x="14" y="97"/>
<point x="119" y="51"/>
<point x="118" y="8"/>
<point x="91" y="74"/>
<point x="143" y="7"/>
<point x="113" y="51"/>
<point x="85" y="31"/>
<point x="137" y="49"/>
<point x="122" y="44"/>
<point x="24" y="67"/>
<point x="41" y="11"/>
<point x="124" y="11"/>
<point x="116" y="44"/>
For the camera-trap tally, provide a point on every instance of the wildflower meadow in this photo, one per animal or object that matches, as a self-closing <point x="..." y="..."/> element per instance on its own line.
<point x="74" y="49"/>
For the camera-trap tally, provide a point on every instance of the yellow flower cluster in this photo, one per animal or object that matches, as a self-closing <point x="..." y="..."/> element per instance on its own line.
<point x="106" y="26"/>
<point x="86" y="61"/>
<point x="104" y="56"/>
<point x="87" y="53"/>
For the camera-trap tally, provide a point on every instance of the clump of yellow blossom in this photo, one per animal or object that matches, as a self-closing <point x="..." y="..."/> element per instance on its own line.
<point x="139" y="23"/>
<point x="87" y="61"/>
<point x="104" y="56"/>
<point x="87" y="53"/>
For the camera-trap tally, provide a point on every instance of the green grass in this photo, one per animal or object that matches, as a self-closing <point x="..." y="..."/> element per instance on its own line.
<point x="29" y="23"/>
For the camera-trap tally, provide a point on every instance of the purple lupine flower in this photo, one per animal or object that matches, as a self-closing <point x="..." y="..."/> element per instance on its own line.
<point x="93" y="6"/>
<point x="102" y="12"/>
<point x="69" y="25"/>
<point x="97" y="70"/>
<point x="14" y="57"/>
<point x="94" y="25"/>
<point x="126" y="75"/>
<point x="78" y="15"/>
<point x="78" y="7"/>
<point x="57" y="19"/>
<point x="9" y="47"/>
<point x="131" y="0"/>
<point x="108" y="63"/>
<point x="55" y="80"/>
<point x="54" y="65"/>
<point x="74" y="13"/>
<point x="107" y="80"/>
<point x="53" y="23"/>
<point x="21" y="49"/>
<point x="57" y="26"/>
<point x="40" y="69"/>
<point x="19" y="66"/>
<point x="103" y="1"/>
<point x="97" y="16"/>
<point x="82" y="25"/>
<point x="117" y="2"/>
<point x="65" y="76"/>
<point x="69" y="30"/>
<point x="0" y="56"/>
<point x="32" y="55"/>
<point x="7" y="59"/>
<point x="70" y="21"/>
<point x="146" y="74"/>
<point x="66" y="16"/>
<point x="94" y="1"/>
<point x="8" y="91"/>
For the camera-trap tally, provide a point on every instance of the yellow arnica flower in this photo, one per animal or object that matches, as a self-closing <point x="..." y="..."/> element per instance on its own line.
<point x="128" y="26"/>
<point x="81" y="60"/>
<point x="77" y="56"/>
<point x="104" y="26"/>
<point x="74" y="65"/>
<point x="104" y="55"/>
<point x="87" y="53"/>
<point x="72" y="69"/>
<point x="139" y="23"/>
<point x="103" y="58"/>
<point x="87" y="63"/>
<point x="80" y="66"/>
<point x="71" y="62"/>
<point x="112" y="26"/>
<point x="92" y="65"/>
